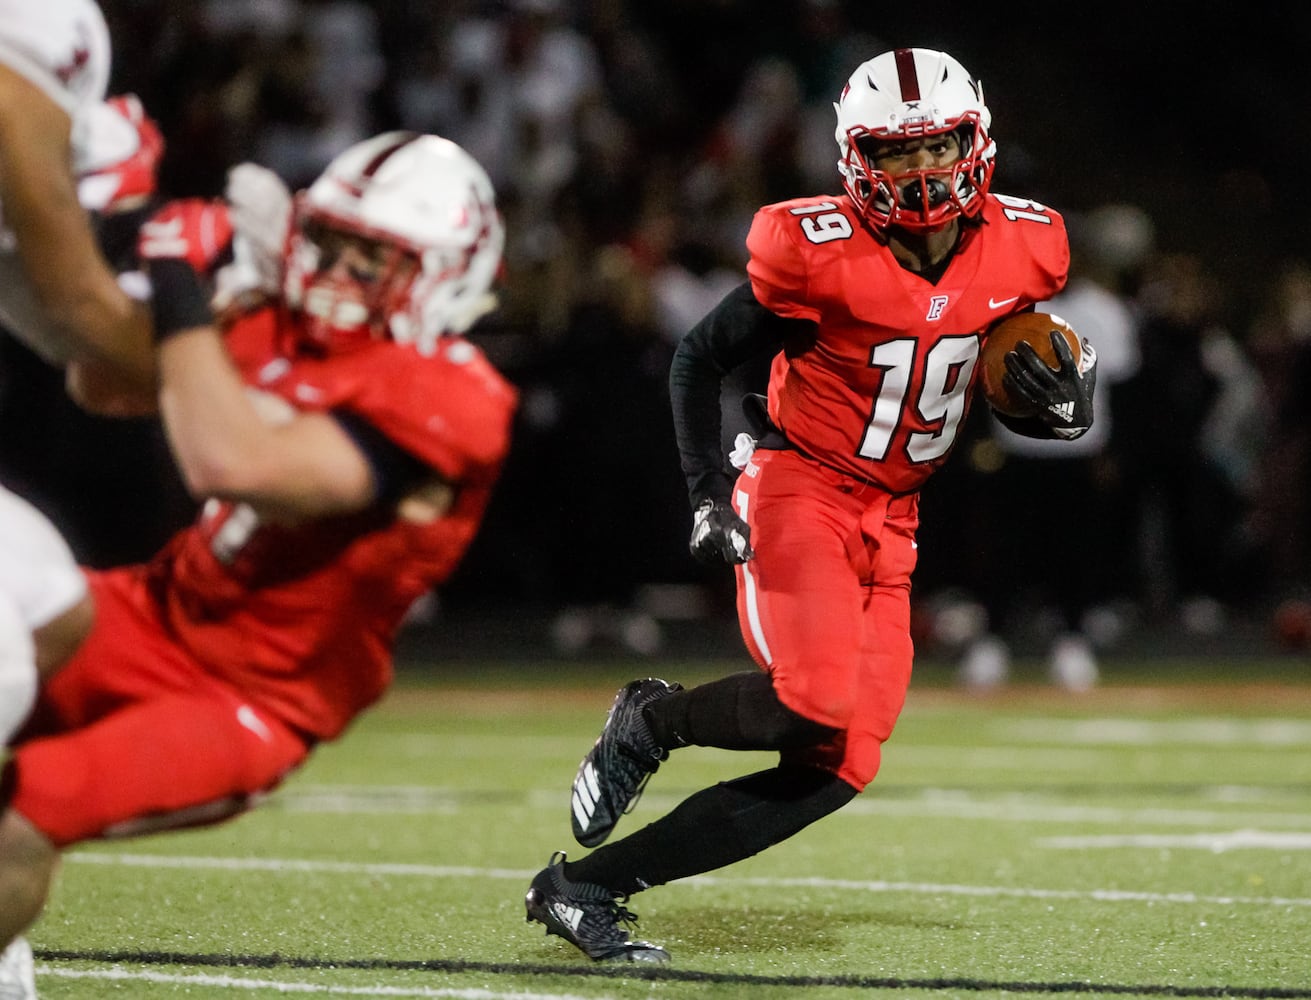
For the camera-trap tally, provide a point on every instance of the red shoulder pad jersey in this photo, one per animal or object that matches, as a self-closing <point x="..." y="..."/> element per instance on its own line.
<point x="302" y="617"/>
<point x="884" y="386"/>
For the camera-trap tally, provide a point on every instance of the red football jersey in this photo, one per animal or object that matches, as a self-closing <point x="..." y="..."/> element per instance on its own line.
<point x="882" y="389"/>
<point x="301" y="616"/>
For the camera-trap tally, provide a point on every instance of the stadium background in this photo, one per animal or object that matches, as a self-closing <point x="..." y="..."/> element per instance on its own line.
<point x="629" y="143"/>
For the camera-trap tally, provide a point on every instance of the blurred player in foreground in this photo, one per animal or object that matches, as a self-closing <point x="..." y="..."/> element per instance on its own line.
<point x="64" y="149"/>
<point x="346" y="440"/>
<point x="876" y="304"/>
<point x="65" y="152"/>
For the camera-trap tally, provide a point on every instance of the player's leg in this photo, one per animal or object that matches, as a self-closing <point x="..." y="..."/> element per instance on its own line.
<point x="802" y="602"/>
<point x="137" y="770"/>
<point x="716" y="827"/>
<point x="28" y="867"/>
<point x="582" y="901"/>
<point x="799" y="607"/>
<point x="140" y="769"/>
<point x="651" y="717"/>
<point x="885" y="679"/>
<point x="805" y="611"/>
<point x="23" y="885"/>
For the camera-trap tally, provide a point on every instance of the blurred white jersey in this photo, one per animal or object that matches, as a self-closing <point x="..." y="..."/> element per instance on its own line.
<point x="38" y="573"/>
<point x="62" y="46"/>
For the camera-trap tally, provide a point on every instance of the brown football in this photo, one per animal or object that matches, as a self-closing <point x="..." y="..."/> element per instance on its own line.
<point x="1033" y="328"/>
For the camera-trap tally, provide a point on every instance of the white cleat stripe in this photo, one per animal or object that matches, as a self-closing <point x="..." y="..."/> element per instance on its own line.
<point x="582" y="811"/>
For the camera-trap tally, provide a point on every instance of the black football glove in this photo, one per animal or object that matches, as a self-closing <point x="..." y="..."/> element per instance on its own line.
<point x="1064" y="398"/>
<point x="718" y="534"/>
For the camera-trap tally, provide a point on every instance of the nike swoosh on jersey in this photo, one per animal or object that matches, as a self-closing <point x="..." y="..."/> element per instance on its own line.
<point x="247" y="717"/>
<point x="999" y="303"/>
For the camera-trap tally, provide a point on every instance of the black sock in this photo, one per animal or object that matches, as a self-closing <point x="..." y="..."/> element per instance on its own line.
<point x="737" y="712"/>
<point x="715" y="827"/>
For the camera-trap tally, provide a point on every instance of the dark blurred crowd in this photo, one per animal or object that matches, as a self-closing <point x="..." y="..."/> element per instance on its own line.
<point x="630" y="144"/>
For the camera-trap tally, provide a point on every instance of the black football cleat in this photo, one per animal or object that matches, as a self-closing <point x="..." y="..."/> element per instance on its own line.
<point x="611" y="777"/>
<point x="587" y="916"/>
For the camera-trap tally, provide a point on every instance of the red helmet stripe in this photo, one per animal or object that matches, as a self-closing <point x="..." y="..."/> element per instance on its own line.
<point x="378" y="160"/>
<point x="907" y="78"/>
<point x="372" y="166"/>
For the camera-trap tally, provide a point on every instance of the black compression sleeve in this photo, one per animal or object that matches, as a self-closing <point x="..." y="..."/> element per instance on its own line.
<point x="734" y="332"/>
<point x="395" y="470"/>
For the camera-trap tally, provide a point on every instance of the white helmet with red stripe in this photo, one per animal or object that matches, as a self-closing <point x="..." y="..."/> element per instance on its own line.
<point x="910" y="94"/>
<point x="426" y="211"/>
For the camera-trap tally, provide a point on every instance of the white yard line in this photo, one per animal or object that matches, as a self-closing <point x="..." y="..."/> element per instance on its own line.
<point x="292" y="865"/>
<point x="118" y="974"/>
<point x="1034" y="809"/>
<point x="367" y="800"/>
<point x="1111" y="731"/>
<point x="1017" y="892"/>
<point x="1218" y="843"/>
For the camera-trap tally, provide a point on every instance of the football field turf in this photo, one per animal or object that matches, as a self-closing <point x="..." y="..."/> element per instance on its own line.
<point x="1150" y="838"/>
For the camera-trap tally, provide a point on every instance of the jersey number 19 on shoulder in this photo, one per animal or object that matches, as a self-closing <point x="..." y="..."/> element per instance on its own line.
<point x="822" y="223"/>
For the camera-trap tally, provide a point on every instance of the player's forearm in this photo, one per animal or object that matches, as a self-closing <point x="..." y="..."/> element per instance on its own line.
<point x="85" y="311"/>
<point x="212" y="426"/>
<point x="732" y="333"/>
<point x="102" y="327"/>
<point x="102" y="390"/>
<point x="283" y="463"/>
<point x="694" y="386"/>
<point x="93" y="318"/>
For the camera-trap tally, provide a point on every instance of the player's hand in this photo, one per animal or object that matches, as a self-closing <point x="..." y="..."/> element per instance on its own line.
<point x="718" y="534"/>
<point x="129" y="182"/>
<point x="1064" y="397"/>
<point x="260" y="206"/>
<point x="182" y="245"/>
<point x="195" y="230"/>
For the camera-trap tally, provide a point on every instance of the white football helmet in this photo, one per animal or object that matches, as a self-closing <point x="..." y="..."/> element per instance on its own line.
<point x="910" y="94"/>
<point x="427" y="202"/>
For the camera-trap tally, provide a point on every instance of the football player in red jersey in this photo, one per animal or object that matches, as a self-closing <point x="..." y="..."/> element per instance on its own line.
<point x="346" y="440"/>
<point x="874" y="304"/>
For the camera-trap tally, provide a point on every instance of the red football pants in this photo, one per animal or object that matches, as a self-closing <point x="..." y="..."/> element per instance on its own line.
<point x="132" y="736"/>
<point x="824" y="606"/>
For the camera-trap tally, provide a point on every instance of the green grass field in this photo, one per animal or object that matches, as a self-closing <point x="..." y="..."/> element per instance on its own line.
<point x="1145" y="840"/>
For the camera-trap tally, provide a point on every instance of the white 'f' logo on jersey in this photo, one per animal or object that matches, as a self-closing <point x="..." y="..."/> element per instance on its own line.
<point x="937" y="306"/>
